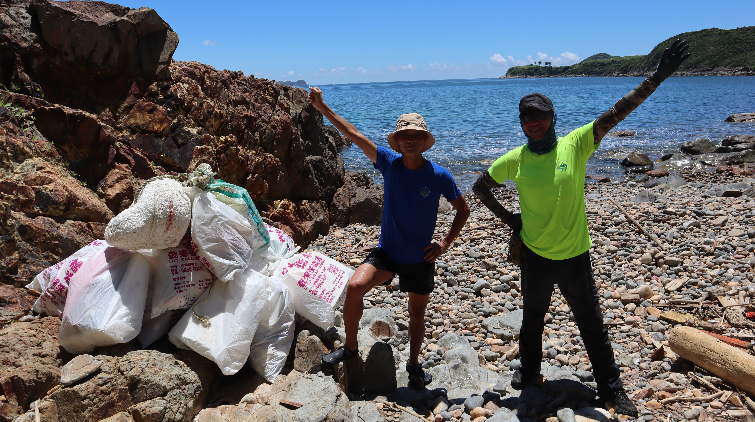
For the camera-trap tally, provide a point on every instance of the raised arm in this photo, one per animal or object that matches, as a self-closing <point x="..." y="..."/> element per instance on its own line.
<point x="368" y="147"/>
<point x="482" y="189"/>
<point x="671" y="59"/>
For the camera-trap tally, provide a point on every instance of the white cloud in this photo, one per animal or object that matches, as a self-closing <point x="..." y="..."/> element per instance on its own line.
<point x="570" y="57"/>
<point x="290" y="73"/>
<point x="498" y="59"/>
<point x="439" y="66"/>
<point x="208" y="43"/>
<point x="393" y="68"/>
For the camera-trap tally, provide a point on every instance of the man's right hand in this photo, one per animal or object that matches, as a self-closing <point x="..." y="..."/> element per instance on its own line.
<point x="315" y="97"/>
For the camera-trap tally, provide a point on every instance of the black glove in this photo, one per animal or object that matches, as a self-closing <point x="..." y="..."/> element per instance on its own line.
<point x="515" y="222"/>
<point x="671" y="59"/>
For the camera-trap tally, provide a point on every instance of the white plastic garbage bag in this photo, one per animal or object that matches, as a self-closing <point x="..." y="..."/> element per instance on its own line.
<point x="238" y="198"/>
<point x="275" y="333"/>
<point x="281" y="246"/>
<point x="179" y="280"/>
<point x="53" y="282"/>
<point x="317" y="284"/>
<point x="105" y="302"/>
<point x="158" y="218"/>
<point x="230" y="313"/>
<point x="224" y="239"/>
<point x="153" y="329"/>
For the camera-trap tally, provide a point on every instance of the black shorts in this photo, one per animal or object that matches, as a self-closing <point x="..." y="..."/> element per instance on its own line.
<point x="412" y="278"/>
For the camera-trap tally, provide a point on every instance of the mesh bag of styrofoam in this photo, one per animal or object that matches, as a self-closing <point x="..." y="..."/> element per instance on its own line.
<point x="53" y="282"/>
<point x="317" y="284"/>
<point x="275" y="333"/>
<point x="223" y="239"/>
<point x="105" y="304"/>
<point x="157" y="219"/>
<point x="179" y="280"/>
<point x="221" y="324"/>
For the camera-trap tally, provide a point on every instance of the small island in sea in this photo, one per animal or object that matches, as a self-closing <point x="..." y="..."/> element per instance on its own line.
<point x="300" y="83"/>
<point x="715" y="52"/>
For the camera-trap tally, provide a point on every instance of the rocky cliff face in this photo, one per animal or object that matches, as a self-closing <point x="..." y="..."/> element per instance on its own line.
<point x="93" y="106"/>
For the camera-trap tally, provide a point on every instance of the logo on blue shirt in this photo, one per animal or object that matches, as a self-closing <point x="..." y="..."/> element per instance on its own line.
<point x="562" y="166"/>
<point x="424" y="192"/>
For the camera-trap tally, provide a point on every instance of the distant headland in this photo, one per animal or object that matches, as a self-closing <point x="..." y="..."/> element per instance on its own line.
<point x="715" y="52"/>
<point x="300" y="83"/>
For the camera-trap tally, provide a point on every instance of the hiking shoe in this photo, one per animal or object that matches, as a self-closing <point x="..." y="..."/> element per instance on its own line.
<point x="624" y="405"/>
<point x="339" y="355"/>
<point x="520" y="380"/>
<point x="417" y="376"/>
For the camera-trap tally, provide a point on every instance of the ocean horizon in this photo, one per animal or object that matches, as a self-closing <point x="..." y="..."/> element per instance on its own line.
<point x="475" y="121"/>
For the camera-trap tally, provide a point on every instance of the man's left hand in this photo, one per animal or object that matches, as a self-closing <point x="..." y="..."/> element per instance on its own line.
<point x="671" y="59"/>
<point x="434" y="250"/>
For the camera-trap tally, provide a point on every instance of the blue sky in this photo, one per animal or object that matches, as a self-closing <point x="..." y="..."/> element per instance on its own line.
<point x="339" y="41"/>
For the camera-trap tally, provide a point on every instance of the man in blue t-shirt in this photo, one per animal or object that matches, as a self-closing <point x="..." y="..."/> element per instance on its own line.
<point x="413" y="186"/>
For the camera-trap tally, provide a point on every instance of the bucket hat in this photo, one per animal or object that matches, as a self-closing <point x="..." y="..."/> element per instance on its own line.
<point x="410" y="121"/>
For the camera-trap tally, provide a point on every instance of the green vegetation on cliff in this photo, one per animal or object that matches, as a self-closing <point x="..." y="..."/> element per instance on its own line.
<point x="711" y="49"/>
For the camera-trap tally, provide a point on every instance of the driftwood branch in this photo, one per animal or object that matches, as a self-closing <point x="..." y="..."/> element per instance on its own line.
<point x="630" y="218"/>
<point x="702" y="399"/>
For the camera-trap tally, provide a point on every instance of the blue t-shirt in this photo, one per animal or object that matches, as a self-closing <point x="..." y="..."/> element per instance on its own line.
<point x="410" y="205"/>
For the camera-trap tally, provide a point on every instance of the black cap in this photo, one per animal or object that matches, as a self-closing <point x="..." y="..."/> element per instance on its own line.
<point x="537" y="100"/>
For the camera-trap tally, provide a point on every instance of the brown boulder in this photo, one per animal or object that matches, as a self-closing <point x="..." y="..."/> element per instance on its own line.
<point x="148" y="385"/>
<point x="83" y="54"/>
<point x="741" y="118"/>
<point x="358" y="201"/>
<point x="636" y="159"/>
<point x="33" y="243"/>
<point x="30" y="361"/>
<point x="14" y="302"/>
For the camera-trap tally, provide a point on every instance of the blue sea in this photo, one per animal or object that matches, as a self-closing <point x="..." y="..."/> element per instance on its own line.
<point x="476" y="121"/>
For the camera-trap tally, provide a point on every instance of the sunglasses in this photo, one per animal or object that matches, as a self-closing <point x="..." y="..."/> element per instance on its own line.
<point x="535" y="115"/>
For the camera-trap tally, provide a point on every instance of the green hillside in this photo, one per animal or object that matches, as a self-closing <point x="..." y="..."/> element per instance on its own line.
<point x="712" y="49"/>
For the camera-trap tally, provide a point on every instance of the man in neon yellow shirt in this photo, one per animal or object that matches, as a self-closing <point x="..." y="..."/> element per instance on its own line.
<point x="550" y="177"/>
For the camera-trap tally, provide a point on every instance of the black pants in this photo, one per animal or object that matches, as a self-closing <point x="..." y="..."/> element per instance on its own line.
<point x="575" y="280"/>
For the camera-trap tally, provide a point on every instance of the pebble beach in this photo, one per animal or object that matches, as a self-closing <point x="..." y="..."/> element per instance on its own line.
<point x="698" y="244"/>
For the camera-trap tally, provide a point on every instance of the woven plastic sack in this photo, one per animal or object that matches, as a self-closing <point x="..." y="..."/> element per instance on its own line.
<point x="221" y="324"/>
<point x="238" y="198"/>
<point x="53" y="282"/>
<point x="158" y="218"/>
<point x="224" y="239"/>
<point x="179" y="280"/>
<point x="281" y="246"/>
<point x="153" y="329"/>
<point x="275" y="333"/>
<point x="317" y="284"/>
<point x="105" y="303"/>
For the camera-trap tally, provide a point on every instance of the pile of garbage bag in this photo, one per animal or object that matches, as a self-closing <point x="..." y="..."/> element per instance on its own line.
<point x="192" y="259"/>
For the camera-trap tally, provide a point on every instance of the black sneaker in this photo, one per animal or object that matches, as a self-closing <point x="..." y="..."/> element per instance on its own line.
<point x="339" y="355"/>
<point x="417" y="376"/>
<point x="520" y="380"/>
<point x="624" y="405"/>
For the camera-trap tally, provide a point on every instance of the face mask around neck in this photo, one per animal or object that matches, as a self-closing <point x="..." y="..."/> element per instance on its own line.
<point x="547" y="144"/>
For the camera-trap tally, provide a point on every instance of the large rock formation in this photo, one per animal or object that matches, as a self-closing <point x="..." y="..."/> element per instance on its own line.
<point x="95" y="106"/>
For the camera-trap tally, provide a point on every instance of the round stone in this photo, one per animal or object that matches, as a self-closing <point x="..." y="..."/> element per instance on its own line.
<point x="646" y="292"/>
<point x="78" y="368"/>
